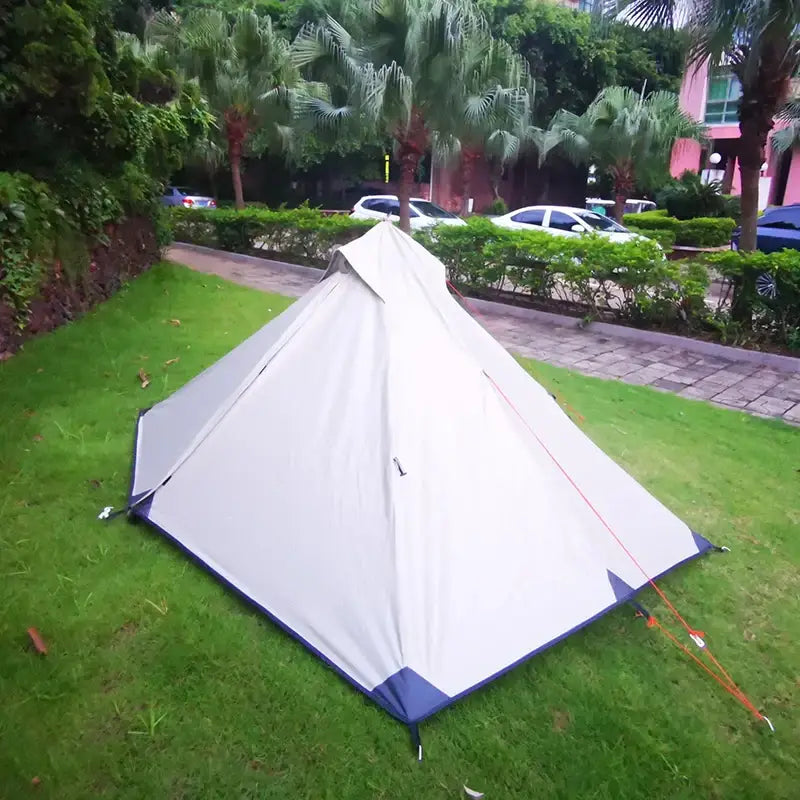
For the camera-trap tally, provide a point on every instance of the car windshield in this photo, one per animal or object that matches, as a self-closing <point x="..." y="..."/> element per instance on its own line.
<point x="599" y="222"/>
<point x="432" y="210"/>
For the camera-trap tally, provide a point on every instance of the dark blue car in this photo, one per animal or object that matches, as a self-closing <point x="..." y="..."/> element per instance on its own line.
<point x="778" y="228"/>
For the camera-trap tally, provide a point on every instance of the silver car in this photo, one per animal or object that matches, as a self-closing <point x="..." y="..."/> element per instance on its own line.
<point x="182" y="196"/>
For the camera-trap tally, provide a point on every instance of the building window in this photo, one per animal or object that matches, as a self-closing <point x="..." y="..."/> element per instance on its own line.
<point x="585" y="5"/>
<point x="722" y="104"/>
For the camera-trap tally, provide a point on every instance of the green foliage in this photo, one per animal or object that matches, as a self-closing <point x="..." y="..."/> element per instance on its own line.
<point x="698" y="232"/>
<point x="26" y="216"/>
<point x="664" y="236"/>
<point x="705" y="231"/>
<point x="497" y="207"/>
<point x="689" y="196"/>
<point x="776" y="311"/>
<point x="302" y="234"/>
<point x="652" y="220"/>
<point x="572" y="58"/>
<point x="732" y="206"/>
<point x="91" y="124"/>
<point x="627" y="134"/>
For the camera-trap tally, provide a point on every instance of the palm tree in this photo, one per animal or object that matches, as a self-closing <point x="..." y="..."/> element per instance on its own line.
<point x="788" y="136"/>
<point x="491" y="112"/>
<point x="755" y="39"/>
<point x="408" y="66"/>
<point x="627" y="134"/>
<point x="245" y="71"/>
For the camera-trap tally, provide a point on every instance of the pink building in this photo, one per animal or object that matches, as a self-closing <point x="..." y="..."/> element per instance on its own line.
<point x="713" y="99"/>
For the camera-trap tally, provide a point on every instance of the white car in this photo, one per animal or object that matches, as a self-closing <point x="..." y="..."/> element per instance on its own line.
<point x="564" y="221"/>
<point x="423" y="213"/>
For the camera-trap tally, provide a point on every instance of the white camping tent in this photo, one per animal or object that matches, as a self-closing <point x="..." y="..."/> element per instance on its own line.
<point x="377" y="474"/>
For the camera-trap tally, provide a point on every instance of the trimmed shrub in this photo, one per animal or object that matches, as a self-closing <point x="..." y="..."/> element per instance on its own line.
<point x="705" y="232"/>
<point x="664" y="236"/>
<point x="652" y="220"/>
<point x="302" y="234"/>
<point x="698" y="232"/>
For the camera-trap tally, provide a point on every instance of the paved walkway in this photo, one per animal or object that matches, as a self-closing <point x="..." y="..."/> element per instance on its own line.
<point x="724" y="381"/>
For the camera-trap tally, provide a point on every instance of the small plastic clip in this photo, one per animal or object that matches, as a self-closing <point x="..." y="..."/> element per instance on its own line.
<point x="105" y="513"/>
<point x="724" y="549"/>
<point x="698" y="640"/>
<point x="419" y="752"/>
<point x="771" y="726"/>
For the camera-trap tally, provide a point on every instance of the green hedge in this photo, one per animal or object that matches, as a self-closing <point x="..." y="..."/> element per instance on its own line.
<point x="664" y="236"/>
<point x="697" y="232"/>
<point x="304" y="235"/>
<point x="769" y="283"/>
<point x="705" y="232"/>
<point x="652" y="220"/>
<point x="632" y="282"/>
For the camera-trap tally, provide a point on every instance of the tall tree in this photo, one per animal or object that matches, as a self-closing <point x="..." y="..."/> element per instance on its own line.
<point x="245" y="71"/>
<point x="406" y="63"/>
<point x="626" y="134"/>
<point x="757" y="40"/>
<point x="491" y="109"/>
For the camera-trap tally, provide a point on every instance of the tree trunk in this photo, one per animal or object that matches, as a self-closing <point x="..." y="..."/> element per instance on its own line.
<point x="236" y="128"/>
<point x="760" y="101"/>
<point x="624" y="182"/>
<point x="408" y="168"/>
<point x="412" y="142"/>
<point x="235" y="156"/>
<point x="468" y="158"/>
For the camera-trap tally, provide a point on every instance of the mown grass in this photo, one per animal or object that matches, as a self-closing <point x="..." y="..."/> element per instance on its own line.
<point x="159" y="683"/>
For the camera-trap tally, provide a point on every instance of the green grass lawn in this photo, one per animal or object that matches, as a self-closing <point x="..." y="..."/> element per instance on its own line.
<point x="161" y="684"/>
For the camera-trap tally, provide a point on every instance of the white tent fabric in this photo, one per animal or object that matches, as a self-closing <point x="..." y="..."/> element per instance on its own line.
<point x="376" y="473"/>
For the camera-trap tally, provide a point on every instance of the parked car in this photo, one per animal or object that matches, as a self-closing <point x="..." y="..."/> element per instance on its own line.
<point x="564" y="221"/>
<point x="424" y="214"/>
<point x="631" y="206"/>
<point x="181" y="196"/>
<point x="778" y="228"/>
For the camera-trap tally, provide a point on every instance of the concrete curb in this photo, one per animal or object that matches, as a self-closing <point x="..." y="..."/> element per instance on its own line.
<point x="711" y="349"/>
<point x="256" y="261"/>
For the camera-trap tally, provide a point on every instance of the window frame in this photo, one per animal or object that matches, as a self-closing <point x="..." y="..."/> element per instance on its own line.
<point x="727" y="109"/>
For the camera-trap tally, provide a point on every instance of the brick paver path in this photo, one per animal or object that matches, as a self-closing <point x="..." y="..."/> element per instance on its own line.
<point x="726" y="382"/>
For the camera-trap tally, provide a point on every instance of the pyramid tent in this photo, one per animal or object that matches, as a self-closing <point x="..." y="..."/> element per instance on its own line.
<point x="379" y="476"/>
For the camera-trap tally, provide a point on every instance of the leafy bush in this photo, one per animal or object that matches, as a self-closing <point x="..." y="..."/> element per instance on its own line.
<point x="303" y="234"/>
<point x="664" y="236"/>
<point x="767" y="282"/>
<point x="732" y="207"/>
<point x="652" y="220"/>
<point x="705" y="231"/>
<point x="689" y="196"/>
<point x="630" y="281"/>
<point x="497" y="207"/>
<point x="698" y="232"/>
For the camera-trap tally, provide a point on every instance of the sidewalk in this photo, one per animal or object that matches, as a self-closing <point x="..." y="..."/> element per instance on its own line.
<point x="725" y="381"/>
